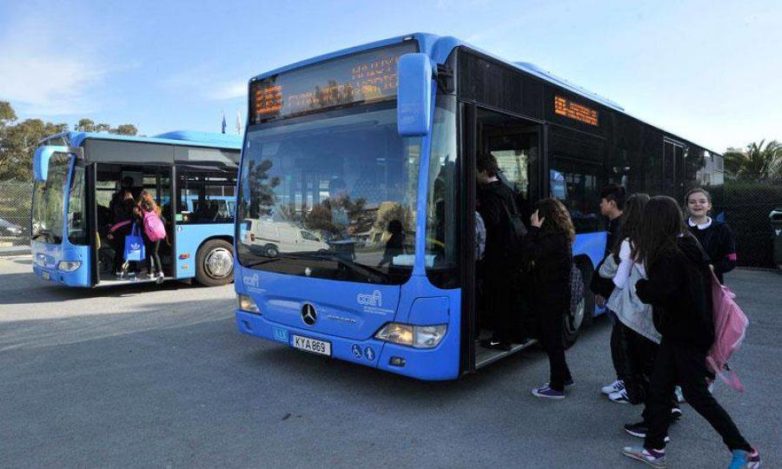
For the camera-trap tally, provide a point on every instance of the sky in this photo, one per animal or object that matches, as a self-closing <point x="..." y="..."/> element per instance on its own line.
<point x="708" y="71"/>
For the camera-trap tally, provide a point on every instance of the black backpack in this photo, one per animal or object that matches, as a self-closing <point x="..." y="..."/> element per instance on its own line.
<point x="516" y="231"/>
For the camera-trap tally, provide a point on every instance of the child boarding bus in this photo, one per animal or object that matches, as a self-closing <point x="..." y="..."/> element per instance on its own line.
<point x="191" y="176"/>
<point x="371" y="151"/>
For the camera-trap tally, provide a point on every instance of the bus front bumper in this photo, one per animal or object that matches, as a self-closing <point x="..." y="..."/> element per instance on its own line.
<point x="439" y="363"/>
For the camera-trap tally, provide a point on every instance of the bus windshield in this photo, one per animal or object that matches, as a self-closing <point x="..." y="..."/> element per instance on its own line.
<point x="48" y="202"/>
<point x="332" y="197"/>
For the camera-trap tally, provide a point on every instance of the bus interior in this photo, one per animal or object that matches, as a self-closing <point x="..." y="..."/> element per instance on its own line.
<point x="154" y="179"/>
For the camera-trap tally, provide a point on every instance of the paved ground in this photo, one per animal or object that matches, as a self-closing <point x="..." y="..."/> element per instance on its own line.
<point x="150" y="376"/>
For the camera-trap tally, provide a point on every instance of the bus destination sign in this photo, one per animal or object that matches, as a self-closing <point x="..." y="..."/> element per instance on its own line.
<point x="364" y="77"/>
<point x="573" y="110"/>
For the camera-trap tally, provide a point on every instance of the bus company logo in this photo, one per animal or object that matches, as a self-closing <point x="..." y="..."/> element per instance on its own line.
<point x="372" y="299"/>
<point x="251" y="280"/>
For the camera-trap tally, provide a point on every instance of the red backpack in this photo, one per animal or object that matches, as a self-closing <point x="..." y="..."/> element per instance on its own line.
<point x="730" y="326"/>
<point x="153" y="226"/>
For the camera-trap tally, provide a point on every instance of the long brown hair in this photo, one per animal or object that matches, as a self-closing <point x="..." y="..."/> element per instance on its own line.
<point x="662" y="223"/>
<point x="631" y="219"/>
<point x="147" y="203"/>
<point x="556" y="218"/>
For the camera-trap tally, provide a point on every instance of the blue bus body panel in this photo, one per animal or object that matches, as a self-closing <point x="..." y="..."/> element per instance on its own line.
<point x="349" y="315"/>
<point x="189" y="238"/>
<point x="46" y="258"/>
<point x="592" y="245"/>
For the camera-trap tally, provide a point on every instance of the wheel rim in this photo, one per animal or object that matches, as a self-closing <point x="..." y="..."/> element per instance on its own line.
<point x="219" y="263"/>
<point x="575" y="318"/>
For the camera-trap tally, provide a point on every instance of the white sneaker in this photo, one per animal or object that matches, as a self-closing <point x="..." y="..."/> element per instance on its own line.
<point x="679" y="394"/>
<point x="616" y="386"/>
<point x="620" y="397"/>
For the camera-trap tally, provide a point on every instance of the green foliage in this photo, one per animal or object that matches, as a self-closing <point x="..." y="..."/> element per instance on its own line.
<point x="18" y="140"/>
<point x="755" y="162"/>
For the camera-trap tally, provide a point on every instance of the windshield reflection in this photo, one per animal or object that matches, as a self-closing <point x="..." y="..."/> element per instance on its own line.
<point x="339" y="190"/>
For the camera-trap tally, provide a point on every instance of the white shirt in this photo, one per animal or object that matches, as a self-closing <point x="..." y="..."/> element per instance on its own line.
<point x="626" y="265"/>
<point x="702" y="226"/>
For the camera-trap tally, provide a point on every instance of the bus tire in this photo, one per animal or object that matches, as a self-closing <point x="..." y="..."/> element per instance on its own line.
<point x="580" y="315"/>
<point x="215" y="263"/>
<point x="271" y="250"/>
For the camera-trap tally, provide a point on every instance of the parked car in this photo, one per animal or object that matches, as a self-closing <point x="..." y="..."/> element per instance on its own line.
<point x="8" y="228"/>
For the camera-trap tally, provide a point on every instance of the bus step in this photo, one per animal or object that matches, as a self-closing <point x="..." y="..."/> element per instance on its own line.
<point x="485" y="356"/>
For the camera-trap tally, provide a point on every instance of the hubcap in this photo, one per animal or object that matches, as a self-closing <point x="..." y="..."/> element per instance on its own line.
<point x="219" y="263"/>
<point x="577" y="316"/>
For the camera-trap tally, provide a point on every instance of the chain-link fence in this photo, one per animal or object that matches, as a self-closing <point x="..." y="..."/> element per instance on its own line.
<point x="15" y="211"/>
<point x="745" y="206"/>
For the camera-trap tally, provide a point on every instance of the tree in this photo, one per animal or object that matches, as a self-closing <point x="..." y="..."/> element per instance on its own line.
<point x="755" y="162"/>
<point x="18" y="140"/>
<point x="124" y="129"/>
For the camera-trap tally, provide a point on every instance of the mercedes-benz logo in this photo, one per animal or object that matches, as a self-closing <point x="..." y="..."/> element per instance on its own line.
<point x="308" y="314"/>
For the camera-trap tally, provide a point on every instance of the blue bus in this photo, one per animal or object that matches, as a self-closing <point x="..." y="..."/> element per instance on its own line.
<point x="372" y="150"/>
<point x="192" y="176"/>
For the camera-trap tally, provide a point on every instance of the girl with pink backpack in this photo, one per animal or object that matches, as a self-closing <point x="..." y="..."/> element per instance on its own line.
<point x="679" y="288"/>
<point x="154" y="231"/>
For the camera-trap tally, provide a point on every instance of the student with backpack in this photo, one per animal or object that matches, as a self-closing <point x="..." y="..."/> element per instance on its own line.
<point x="716" y="237"/>
<point x="504" y="231"/>
<point x="148" y="213"/>
<point x="679" y="289"/>
<point x="548" y="257"/>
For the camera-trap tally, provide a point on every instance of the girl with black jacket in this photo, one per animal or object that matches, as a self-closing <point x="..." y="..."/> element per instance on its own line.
<point x="548" y="256"/>
<point x="716" y="237"/>
<point x="679" y="289"/>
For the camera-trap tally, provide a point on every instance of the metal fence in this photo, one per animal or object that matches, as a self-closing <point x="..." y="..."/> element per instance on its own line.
<point x="746" y="206"/>
<point x="15" y="212"/>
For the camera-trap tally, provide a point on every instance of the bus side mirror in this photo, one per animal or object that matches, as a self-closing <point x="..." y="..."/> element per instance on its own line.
<point x="41" y="161"/>
<point x="414" y="95"/>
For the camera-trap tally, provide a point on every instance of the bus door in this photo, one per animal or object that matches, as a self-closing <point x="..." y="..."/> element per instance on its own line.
<point x="516" y="144"/>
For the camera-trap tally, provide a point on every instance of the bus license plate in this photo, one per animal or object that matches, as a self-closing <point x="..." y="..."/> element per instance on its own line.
<point x="45" y="275"/>
<point x="321" y="347"/>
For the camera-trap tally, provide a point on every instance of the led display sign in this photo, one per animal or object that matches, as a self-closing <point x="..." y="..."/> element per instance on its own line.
<point x="573" y="110"/>
<point x="359" y="78"/>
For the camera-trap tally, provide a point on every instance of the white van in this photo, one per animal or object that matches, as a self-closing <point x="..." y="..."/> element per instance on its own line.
<point x="276" y="237"/>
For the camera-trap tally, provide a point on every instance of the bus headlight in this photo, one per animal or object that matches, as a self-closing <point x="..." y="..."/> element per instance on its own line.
<point x="247" y="304"/>
<point x="68" y="266"/>
<point x="413" y="336"/>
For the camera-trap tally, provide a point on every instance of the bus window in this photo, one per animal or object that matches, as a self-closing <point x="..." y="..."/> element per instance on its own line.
<point x="204" y="196"/>
<point x="576" y="185"/>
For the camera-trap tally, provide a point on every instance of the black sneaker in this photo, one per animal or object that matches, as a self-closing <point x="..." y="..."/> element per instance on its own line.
<point x="676" y="414"/>
<point x="640" y="429"/>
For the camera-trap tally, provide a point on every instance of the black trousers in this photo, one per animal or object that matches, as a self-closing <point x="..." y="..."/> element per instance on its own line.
<point x="550" y="332"/>
<point x="118" y="243"/>
<point x="640" y="354"/>
<point x="618" y="347"/>
<point x="153" y="259"/>
<point x="686" y="365"/>
<point x="498" y="291"/>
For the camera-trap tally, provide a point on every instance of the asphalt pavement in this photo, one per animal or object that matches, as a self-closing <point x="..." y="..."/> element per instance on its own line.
<point x="157" y="376"/>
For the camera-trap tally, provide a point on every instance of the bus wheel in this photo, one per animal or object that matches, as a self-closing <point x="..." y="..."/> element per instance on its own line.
<point x="577" y="316"/>
<point x="271" y="250"/>
<point x="215" y="263"/>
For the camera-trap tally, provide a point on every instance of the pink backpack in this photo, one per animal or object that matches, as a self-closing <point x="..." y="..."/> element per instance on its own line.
<point x="153" y="226"/>
<point x="730" y="326"/>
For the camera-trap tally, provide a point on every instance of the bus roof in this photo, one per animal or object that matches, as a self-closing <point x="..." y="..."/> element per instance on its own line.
<point x="438" y="48"/>
<point x="177" y="137"/>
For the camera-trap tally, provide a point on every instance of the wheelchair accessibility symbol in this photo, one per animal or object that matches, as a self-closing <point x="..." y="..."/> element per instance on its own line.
<point x="357" y="351"/>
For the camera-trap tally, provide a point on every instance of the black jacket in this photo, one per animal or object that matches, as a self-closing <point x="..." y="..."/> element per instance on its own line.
<point x="494" y="198"/>
<point x="720" y="245"/>
<point x="548" y="258"/>
<point x="679" y="290"/>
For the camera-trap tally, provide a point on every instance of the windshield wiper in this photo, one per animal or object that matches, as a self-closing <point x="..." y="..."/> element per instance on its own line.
<point x="373" y="274"/>
<point x="49" y="237"/>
